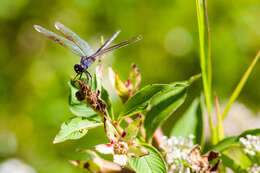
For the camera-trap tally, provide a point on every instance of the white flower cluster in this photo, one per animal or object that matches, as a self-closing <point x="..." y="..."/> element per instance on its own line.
<point x="254" y="169"/>
<point x="251" y="143"/>
<point x="177" y="150"/>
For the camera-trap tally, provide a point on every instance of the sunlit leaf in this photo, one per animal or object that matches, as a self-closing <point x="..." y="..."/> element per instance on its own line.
<point x="111" y="131"/>
<point x="230" y="163"/>
<point x="192" y="119"/>
<point x="141" y="99"/>
<point x="152" y="163"/>
<point x="232" y="142"/>
<point x="78" y="108"/>
<point x="105" y="96"/>
<point x="75" y="128"/>
<point x="135" y="78"/>
<point x="119" y="85"/>
<point x="162" y="106"/>
<point x="136" y="150"/>
<point x="95" y="164"/>
<point x="132" y="130"/>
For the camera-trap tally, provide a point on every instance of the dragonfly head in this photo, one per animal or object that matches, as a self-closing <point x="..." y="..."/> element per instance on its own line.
<point x="79" y="68"/>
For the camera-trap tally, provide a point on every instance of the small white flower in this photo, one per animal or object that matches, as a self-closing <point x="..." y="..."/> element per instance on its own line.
<point x="177" y="151"/>
<point x="182" y="156"/>
<point x="254" y="169"/>
<point x="251" y="144"/>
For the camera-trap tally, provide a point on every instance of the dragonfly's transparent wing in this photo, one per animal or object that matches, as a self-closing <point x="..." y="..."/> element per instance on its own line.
<point x="82" y="44"/>
<point x="118" y="45"/>
<point x="105" y="45"/>
<point x="122" y="44"/>
<point x="62" y="41"/>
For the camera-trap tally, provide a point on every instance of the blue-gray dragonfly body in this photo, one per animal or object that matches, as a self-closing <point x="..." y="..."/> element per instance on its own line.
<point x="80" y="47"/>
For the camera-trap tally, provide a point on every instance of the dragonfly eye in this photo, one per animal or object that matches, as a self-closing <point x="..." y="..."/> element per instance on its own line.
<point x="79" y="68"/>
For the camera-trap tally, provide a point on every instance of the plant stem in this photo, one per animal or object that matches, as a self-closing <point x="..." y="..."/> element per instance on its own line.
<point x="205" y="58"/>
<point x="240" y="85"/>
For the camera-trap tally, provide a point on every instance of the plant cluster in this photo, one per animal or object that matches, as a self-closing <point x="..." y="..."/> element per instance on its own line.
<point x="136" y="140"/>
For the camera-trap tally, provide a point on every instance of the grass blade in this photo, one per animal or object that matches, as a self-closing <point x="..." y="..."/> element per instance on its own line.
<point x="240" y="85"/>
<point x="205" y="58"/>
<point x="219" y="127"/>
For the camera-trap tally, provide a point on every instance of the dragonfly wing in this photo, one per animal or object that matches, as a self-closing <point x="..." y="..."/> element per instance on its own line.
<point x="105" y="44"/>
<point x="70" y="35"/>
<point x="118" y="45"/>
<point x="62" y="41"/>
<point x="122" y="44"/>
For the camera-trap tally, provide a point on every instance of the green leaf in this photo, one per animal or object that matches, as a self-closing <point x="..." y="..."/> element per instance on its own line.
<point x="240" y="86"/>
<point x="132" y="129"/>
<point x="111" y="131"/>
<point x="192" y="119"/>
<point x="141" y="99"/>
<point x="93" y="83"/>
<point x="89" y="161"/>
<point x="162" y="106"/>
<point x="152" y="163"/>
<point x="79" y="108"/>
<point x="228" y="162"/>
<point x="135" y="78"/>
<point x="232" y="142"/>
<point x="105" y="96"/>
<point x="121" y="88"/>
<point x="75" y="128"/>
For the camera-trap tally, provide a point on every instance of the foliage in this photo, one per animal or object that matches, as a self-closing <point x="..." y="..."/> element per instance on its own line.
<point x="133" y="130"/>
<point x="144" y="111"/>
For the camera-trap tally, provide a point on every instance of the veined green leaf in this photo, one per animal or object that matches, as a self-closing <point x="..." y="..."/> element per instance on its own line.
<point x="192" y="119"/>
<point x="152" y="163"/>
<point x="141" y="99"/>
<point x="162" y="106"/>
<point x="231" y="142"/>
<point x="75" y="128"/>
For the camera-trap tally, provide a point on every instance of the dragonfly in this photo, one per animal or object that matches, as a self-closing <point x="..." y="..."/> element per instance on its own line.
<point x="80" y="47"/>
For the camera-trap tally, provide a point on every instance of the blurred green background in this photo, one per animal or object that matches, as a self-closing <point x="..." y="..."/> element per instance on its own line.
<point x="34" y="71"/>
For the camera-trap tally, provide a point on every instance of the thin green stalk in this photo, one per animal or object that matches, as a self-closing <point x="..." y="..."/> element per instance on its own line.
<point x="205" y="61"/>
<point x="208" y="48"/>
<point x="219" y="127"/>
<point x="240" y="85"/>
<point x="205" y="58"/>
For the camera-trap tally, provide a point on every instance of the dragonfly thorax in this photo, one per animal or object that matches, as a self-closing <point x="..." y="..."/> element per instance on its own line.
<point x="79" y="68"/>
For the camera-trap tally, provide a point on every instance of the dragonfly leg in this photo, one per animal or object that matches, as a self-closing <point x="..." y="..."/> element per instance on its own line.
<point x="80" y="76"/>
<point x="88" y="75"/>
<point x="75" y="77"/>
